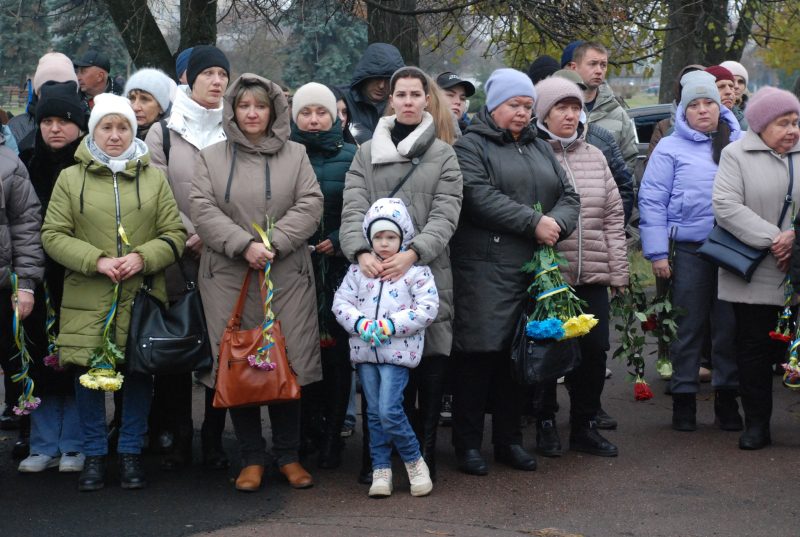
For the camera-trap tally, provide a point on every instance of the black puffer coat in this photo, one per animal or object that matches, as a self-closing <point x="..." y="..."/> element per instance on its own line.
<point x="503" y="179"/>
<point x="380" y="60"/>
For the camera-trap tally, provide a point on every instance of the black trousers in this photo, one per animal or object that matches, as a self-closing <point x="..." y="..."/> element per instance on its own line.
<point x="285" y="422"/>
<point x="481" y="380"/>
<point x="756" y="353"/>
<point x="585" y="383"/>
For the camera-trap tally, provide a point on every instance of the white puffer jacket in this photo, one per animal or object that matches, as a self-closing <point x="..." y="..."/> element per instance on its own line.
<point x="411" y="303"/>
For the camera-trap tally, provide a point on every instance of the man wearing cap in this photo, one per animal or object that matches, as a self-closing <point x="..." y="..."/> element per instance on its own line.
<point x="457" y="91"/>
<point x="590" y="60"/>
<point x="92" y="70"/>
<point x="368" y="92"/>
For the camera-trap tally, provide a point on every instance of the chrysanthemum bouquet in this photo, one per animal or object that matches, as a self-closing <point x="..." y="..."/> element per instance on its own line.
<point x="103" y="374"/>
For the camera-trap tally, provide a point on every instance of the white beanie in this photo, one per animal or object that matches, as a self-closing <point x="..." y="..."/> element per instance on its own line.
<point x="383" y="224"/>
<point x="698" y="85"/>
<point x="737" y="69"/>
<point x="154" y="82"/>
<point x="314" y="93"/>
<point x="108" y="103"/>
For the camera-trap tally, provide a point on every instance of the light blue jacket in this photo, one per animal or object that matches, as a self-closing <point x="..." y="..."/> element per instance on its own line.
<point x="675" y="195"/>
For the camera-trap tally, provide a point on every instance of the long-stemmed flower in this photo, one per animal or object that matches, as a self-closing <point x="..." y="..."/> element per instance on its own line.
<point x="26" y="401"/>
<point x="261" y="359"/>
<point x="103" y="374"/>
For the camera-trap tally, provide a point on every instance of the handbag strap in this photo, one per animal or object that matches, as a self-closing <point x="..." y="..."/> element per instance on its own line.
<point x="235" y="321"/>
<point x="787" y="201"/>
<point x="414" y="164"/>
<point x="186" y="279"/>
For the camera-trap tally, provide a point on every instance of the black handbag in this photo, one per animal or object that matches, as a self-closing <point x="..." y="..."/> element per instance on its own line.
<point x="726" y="251"/>
<point x="172" y="340"/>
<point x="533" y="362"/>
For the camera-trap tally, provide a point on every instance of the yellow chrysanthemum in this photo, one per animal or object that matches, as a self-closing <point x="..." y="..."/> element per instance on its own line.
<point x="578" y="326"/>
<point x="88" y="381"/>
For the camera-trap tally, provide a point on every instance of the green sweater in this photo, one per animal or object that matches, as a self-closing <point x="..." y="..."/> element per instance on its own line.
<point x="81" y="226"/>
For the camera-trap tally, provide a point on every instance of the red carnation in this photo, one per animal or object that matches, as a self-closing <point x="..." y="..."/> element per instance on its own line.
<point x="641" y="390"/>
<point x="650" y="324"/>
<point x="780" y="337"/>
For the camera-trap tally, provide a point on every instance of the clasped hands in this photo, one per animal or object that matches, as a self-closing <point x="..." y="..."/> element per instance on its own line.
<point x="374" y="332"/>
<point x="391" y="269"/>
<point x="120" y="268"/>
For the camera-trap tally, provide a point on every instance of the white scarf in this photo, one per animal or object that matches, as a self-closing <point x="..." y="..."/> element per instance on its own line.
<point x="116" y="164"/>
<point x="565" y="142"/>
<point x="199" y="126"/>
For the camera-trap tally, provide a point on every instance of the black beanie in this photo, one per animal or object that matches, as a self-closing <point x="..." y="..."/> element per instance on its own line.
<point x="203" y="57"/>
<point x="60" y="99"/>
<point x="542" y="67"/>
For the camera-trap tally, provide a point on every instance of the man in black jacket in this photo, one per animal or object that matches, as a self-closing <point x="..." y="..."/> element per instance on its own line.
<point x="368" y="92"/>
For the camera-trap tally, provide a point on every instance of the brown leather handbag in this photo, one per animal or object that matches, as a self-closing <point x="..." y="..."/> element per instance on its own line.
<point x="238" y="383"/>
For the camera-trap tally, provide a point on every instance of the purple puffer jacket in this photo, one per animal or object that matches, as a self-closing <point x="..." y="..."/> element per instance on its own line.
<point x="675" y="196"/>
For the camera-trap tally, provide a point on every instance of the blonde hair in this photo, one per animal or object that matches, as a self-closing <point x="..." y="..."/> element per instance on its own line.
<point x="442" y="117"/>
<point x="260" y="94"/>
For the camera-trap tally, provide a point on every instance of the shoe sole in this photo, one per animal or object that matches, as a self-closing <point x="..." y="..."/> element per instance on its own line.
<point x="550" y="454"/>
<point x="90" y="488"/>
<point x="70" y="469"/>
<point x="51" y="464"/>
<point x="247" y="489"/>
<point x="380" y="493"/>
<point x="133" y="486"/>
<point x="422" y="492"/>
<point x="607" y="426"/>
<point x="594" y="452"/>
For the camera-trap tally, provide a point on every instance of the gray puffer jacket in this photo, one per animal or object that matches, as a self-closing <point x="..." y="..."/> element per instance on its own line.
<point x="503" y="179"/>
<point x="20" y="223"/>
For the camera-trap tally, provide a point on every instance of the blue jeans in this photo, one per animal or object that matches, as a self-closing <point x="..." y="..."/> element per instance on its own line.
<point x="56" y="426"/>
<point x="137" y="392"/>
<point x="383" y="385"/>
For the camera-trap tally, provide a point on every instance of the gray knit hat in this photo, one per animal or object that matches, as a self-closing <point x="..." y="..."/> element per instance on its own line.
<point x="698" y="85"/>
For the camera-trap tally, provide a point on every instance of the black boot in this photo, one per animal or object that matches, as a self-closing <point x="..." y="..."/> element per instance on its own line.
<point x="8" y="420"/>
<point x="684" y="412"/>
<point x="586" y="438"/>
<point x="604" y="421"/>
<point x="514" y="455"/>
<point x="22" y="447"/>
<point x="214" y="457"/>
<point x="336" y="376"/>
<point x="756" y="436"/>
<point x="310" y="419"/>
<point x="131" y="471"/>
<point x="180" y="452"/>
<point x="470" y="461"/>
<point x="93" y="475"/>
<point x="726" y="410"/>
<point x="547" y="441"/>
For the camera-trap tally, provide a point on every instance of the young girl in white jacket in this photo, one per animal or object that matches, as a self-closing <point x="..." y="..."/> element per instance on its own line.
<point x="387" y="321"/>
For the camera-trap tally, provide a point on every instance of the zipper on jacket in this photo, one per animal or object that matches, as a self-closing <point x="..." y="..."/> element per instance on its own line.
<point x="518" y="147"/>
<point x="377" y="308"/>
<point x="118" y="215"/>
<point x="580" y="218"/>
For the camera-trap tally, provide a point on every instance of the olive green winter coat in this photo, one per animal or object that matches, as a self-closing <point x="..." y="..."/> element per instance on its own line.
<point x="81" y="226"/>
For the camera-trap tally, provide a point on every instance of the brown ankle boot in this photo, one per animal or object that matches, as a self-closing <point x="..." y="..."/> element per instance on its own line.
<point x="249" y="479"/>
<point x="297" y="476"/>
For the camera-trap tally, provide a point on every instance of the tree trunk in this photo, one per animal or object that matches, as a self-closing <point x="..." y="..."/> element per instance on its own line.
<point x="401" y="31"/>
<point x="198" y="23"/>
<point x="143" y="39"/>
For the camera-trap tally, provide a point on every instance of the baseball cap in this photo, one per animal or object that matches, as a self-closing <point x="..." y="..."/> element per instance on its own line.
<point x="93" y="58"/>
<point x="448" y="80"/>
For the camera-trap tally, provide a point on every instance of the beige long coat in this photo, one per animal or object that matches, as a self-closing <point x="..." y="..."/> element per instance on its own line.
<point x="271" y="179"/>
<point x="749" y="189"/>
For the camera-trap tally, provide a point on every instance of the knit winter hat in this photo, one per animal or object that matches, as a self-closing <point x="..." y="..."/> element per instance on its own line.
<point x="182" y="61"/>
<point x="314" y="93"/>
<point x="720" y="73"/>
<point x="383" y="224"/>
<point x="737" y="69"/>
<point x="203" y="57"/>
<point x="569" y="50"/>
<point x="767" y="104"/>
<point x="55" y="67"/>
<point x="698" y="85"/>
<point x="154" y="82"/>
<point x="553" y="90"/>
<point x="542" y="67"/>
<point x="60" y="99"/>
<point x="505" y="83"/>
<point x="108" y="103"/>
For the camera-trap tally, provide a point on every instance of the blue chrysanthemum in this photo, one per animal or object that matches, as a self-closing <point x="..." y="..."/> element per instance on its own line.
<point x="546" y="329"/>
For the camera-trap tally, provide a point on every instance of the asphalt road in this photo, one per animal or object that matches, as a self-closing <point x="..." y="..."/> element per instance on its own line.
<point x="663" y="484"/>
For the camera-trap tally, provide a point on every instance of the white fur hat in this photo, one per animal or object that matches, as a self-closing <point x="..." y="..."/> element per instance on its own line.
<point x="108" y="103"/>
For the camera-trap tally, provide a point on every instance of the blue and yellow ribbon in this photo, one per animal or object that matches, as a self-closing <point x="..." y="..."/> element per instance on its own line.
<point x="26" y="402"/>
<point x="262" y="360"/>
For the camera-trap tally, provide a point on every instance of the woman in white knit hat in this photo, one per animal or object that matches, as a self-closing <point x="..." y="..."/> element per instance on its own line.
<point x="104" y="224"/>
<point x="150" y="92"/>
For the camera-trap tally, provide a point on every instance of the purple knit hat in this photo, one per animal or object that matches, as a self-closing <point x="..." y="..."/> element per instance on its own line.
<point x="767" y="104"/>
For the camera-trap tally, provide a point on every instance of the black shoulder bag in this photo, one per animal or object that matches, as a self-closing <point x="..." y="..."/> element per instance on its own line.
<point x="728" y="252"/>
<point x="168" y="341"/>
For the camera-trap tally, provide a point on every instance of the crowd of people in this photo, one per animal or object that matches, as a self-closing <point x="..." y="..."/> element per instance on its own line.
<point x="397" y="228"/>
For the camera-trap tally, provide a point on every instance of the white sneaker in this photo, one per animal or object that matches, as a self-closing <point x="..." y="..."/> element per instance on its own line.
<point x="71" y="462"/>
<point x="420" y="477"/>
<point x="609" y="373"/>
<point x="37" y="463"/>
<point x="381" y="483"/>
